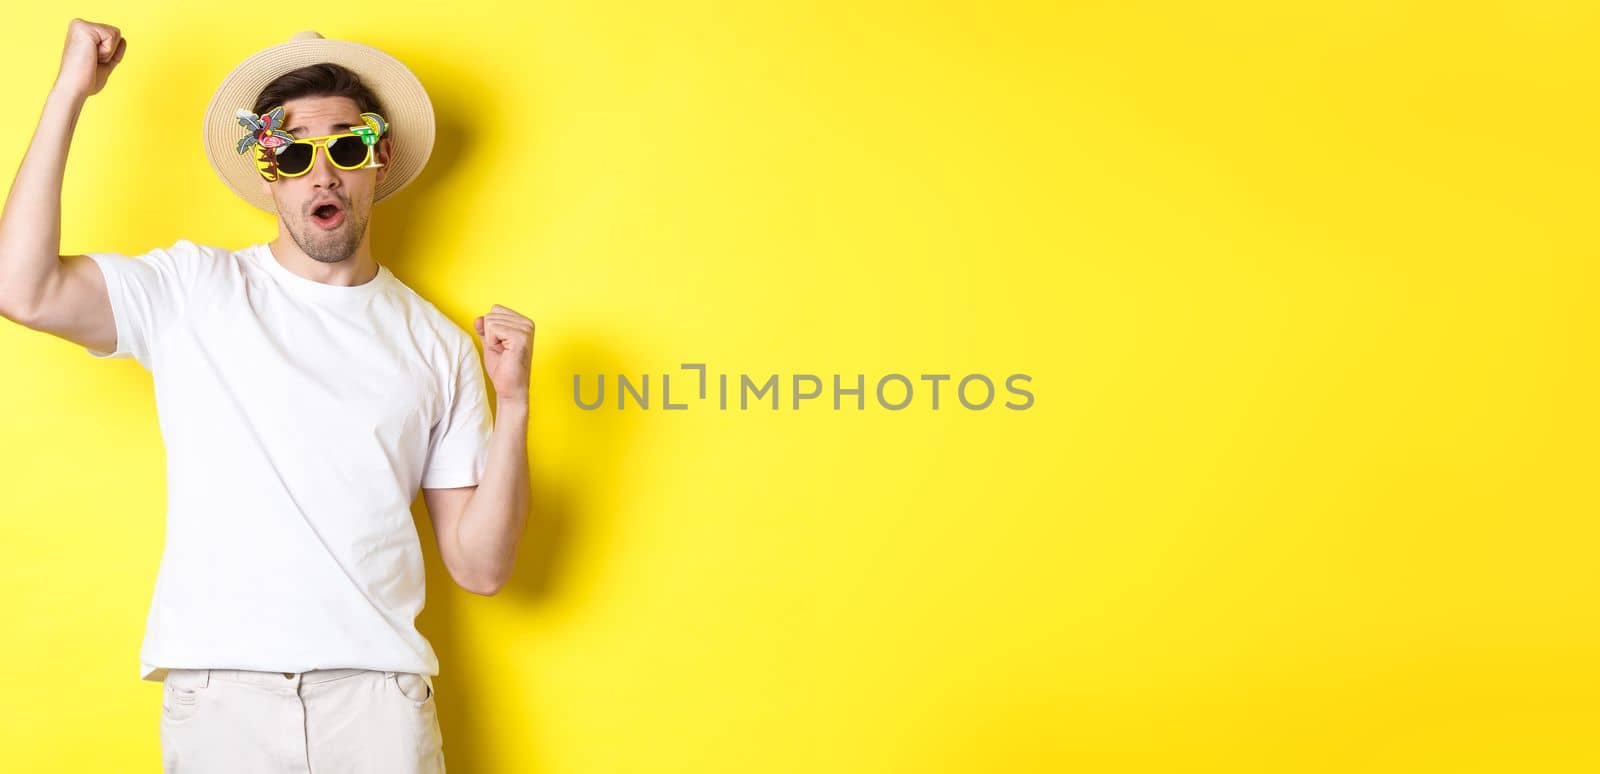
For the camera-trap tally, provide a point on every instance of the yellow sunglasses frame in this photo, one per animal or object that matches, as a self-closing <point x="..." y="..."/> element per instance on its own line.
<point x="262" y="165"/>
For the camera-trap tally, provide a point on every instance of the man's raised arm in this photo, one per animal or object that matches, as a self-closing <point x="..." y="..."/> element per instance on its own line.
<point x="40" y="288"/>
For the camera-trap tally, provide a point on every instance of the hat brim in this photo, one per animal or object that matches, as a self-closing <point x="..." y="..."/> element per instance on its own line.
<point x="406" y="108"/>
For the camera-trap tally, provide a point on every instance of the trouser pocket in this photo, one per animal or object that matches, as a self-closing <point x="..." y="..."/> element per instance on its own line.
<point x="411" y="686"/>
<point x="181" y="693"/>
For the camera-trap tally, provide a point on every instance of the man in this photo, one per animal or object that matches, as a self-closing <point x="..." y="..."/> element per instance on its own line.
<point x="304" y="396"/>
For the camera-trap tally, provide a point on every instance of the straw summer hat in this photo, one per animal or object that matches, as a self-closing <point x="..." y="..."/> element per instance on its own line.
<point x="406" y="108"/>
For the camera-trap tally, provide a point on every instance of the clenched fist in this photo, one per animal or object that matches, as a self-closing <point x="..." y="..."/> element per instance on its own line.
<point x="92" y="52"/>
<point x="507" y="351"/>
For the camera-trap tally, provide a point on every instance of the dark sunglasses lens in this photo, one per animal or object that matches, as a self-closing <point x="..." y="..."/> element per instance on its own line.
<point x="296" y="158"/>
<point x="348" y="151"/>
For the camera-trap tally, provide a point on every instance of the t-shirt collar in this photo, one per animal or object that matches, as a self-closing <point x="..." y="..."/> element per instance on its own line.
<point x="320" y="290"/>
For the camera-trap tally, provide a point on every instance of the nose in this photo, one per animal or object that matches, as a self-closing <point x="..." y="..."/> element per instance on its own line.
<point x="323" y="173"/>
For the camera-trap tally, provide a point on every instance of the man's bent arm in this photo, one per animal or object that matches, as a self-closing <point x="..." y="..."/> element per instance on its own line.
<point x="32" y="272"/>
<point x="478" y="527"/>
<point x="30" y="229"/>
<point x="492" y="523"/>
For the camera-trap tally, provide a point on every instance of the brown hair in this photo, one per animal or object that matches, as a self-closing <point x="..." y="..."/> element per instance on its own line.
<point x="324" y="79"/>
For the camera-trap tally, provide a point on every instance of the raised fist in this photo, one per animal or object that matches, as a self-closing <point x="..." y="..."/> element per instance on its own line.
<point x="92" y="52"/>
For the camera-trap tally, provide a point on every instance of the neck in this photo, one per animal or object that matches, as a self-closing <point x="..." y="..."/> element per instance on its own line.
<point x="358" y="269"/>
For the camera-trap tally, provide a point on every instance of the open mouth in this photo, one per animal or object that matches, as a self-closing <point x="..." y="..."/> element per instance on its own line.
<point x="328" y="216"/>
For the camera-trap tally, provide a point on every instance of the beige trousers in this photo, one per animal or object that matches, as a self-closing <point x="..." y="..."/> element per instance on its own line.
<point x="350" y="721"/>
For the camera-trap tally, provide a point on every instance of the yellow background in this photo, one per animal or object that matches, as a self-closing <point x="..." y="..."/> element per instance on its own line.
<point x="1306" y="292"/>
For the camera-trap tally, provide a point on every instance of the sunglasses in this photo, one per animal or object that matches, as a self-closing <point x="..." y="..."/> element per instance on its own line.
<point x="347" y="150"/>
<point x="279" y="154"/>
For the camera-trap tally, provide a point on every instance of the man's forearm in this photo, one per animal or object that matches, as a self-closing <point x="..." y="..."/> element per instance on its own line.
<point x="30" y="228"/>
<point x="492" y="523"/>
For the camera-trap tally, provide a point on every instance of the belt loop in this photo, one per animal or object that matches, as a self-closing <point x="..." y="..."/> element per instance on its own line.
<point x="205" y="678"/>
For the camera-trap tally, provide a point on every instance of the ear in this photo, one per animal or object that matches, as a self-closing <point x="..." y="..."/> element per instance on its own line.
<point x="384" y="151"/>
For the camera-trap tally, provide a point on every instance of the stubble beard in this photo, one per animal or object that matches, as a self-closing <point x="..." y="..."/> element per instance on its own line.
<point x="330" y="246"/>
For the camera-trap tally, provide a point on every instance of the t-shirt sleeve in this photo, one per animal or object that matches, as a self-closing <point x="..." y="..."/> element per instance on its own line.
<point x="458" y="445"/>
<point x="147" y="296"/>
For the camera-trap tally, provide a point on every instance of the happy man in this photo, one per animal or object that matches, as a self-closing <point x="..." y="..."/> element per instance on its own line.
<point x="304" y="395"/>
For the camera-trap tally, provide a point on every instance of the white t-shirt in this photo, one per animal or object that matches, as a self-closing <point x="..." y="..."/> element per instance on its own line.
<point x="299" y="419"/>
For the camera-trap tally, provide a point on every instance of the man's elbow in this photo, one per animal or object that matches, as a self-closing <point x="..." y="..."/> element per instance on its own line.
<point x="486" y="586"/>
<point x="16" y="312"/>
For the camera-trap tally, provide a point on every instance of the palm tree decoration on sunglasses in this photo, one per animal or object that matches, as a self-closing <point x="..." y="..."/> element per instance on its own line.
<point x="265" y="134"/>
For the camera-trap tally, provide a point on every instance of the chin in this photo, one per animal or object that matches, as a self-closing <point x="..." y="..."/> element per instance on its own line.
<point x="327" y="246"/>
